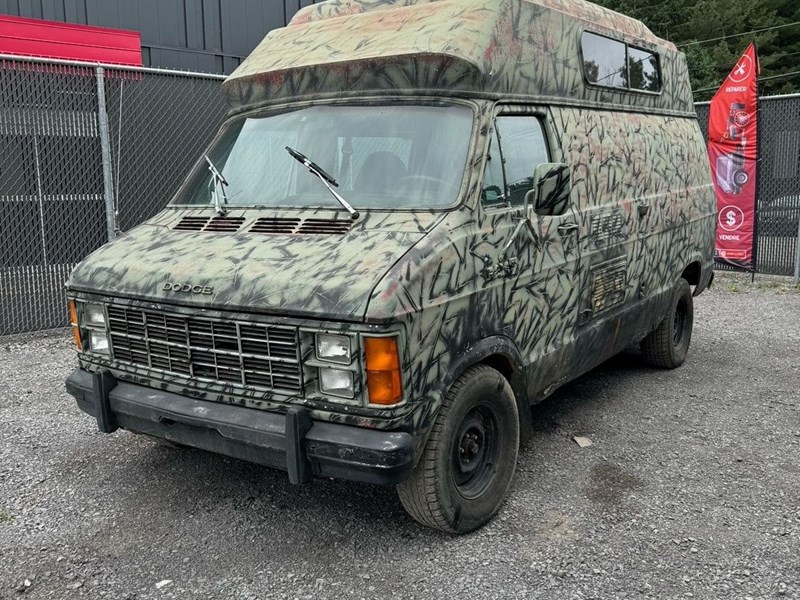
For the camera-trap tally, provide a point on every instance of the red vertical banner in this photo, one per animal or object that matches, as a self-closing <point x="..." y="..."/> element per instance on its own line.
<point x="733" y="152"/>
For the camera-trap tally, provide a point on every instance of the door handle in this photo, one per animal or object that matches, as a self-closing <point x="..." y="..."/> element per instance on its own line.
<point x="568" y="228"/>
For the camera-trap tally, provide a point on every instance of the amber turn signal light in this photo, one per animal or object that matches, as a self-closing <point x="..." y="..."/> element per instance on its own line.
<point x="383" y="370"/>
<point x="73" y="320"/>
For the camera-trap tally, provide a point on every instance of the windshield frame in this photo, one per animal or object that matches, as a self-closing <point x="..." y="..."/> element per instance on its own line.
<point x="366" y="101"/>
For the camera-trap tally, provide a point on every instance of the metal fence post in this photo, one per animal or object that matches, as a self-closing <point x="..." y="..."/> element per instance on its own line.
<point x="797" y="254"/>
<point x="105" y="146"/>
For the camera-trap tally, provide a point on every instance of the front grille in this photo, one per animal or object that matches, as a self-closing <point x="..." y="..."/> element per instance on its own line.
<point x="254" y="354"/>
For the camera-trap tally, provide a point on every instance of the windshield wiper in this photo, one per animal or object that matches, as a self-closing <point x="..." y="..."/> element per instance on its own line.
<point x="219" y="182"/>
<point x="326" y="179"/>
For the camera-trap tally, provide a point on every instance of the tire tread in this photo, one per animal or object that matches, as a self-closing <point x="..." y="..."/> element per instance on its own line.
<point x="658" y="348"/>
<point x="418" y="494"/>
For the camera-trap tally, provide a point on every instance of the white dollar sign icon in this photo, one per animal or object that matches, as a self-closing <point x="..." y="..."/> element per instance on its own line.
<point x="730" y="216"/>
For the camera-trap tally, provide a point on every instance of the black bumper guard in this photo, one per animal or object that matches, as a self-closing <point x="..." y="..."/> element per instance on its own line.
<point x="293" y="441"/>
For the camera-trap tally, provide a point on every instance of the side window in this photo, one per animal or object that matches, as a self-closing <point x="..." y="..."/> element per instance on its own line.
<point x="524" y="148"/>
<point x="604" y="61"/>
<point x="643" y="69"/>
<point x="611" y="63"/>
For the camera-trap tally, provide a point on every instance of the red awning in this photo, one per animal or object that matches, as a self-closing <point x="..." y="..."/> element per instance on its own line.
<point x="52" y="39"/>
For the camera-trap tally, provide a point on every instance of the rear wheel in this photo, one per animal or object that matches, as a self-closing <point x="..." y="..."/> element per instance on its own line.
<point x="667" y="346"/>
<point x="463" y="475"/>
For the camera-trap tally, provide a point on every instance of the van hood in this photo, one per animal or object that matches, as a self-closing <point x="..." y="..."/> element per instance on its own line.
<point x="303" y="263"/>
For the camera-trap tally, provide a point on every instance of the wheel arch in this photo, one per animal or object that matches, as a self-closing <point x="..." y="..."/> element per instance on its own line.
<point x="500" y="353"/>
<point x="693" y="273"/>
<point x="698" y="276"/>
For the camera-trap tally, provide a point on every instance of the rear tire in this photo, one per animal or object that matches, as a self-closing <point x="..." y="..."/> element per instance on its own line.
<point x="464" y="472"/>
<point x="667" y="346"/>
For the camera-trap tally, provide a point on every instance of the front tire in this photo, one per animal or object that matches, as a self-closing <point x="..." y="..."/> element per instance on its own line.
<point x="667" y="346"/>
<point x="463" y="475"/>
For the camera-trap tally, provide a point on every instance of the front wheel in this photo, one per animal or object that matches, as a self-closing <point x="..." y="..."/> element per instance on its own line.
<point x="463" y="475"/>
<point x="667" y="346"/>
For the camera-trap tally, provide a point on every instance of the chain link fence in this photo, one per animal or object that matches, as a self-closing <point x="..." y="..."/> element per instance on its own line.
<point x="778" y="209"/>
<point x="77" y="141"/>
<point x="159" y="125"/>
<point x="58" y="186"/>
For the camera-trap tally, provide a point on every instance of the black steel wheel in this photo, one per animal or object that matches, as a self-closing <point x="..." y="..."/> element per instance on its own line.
<point x="463" y="475"/>
<point x="668" y="345"/>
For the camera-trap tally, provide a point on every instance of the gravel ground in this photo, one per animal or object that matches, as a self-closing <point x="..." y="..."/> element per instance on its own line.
<point x="690" y="489"/>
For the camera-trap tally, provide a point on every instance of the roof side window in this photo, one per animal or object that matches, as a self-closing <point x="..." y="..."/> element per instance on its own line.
<point x="615" y="64"/>
<point x="643" y="69"/>
<point x="604" y="61"/>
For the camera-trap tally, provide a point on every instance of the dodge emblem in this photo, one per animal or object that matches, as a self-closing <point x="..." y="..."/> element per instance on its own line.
<point x="187" y="288"/>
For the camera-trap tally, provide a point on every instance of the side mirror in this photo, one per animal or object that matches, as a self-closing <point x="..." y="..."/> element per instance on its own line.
<point x="552" y="185"/>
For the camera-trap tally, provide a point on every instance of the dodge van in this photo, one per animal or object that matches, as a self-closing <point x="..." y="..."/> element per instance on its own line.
<point x="419" y="218"/>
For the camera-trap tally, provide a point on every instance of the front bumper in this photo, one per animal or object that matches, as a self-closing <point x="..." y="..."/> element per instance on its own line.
<point x="291" y="441"/>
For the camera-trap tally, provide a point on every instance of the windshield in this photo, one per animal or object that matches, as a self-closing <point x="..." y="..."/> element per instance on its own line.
<point x="383" y="157"/>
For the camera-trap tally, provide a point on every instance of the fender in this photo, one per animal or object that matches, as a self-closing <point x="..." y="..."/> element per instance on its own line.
<point x="492" y="346"/>
<point x="706" y="272"/>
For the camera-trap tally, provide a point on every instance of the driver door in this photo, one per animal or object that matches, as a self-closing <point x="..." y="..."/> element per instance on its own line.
<point x="535" y="270"/>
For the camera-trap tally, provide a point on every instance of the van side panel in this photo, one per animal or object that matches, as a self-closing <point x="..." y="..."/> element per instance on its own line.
<point x="645" y="208"/>
<point x="642" y="186"/>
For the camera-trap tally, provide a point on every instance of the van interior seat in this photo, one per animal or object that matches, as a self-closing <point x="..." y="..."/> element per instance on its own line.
<point x="381" y="172"/>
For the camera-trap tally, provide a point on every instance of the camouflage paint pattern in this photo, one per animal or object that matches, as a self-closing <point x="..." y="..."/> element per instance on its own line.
<point x="250" y="270"/>
<point x="494" y="48"/>
<point x="457" y="285"/>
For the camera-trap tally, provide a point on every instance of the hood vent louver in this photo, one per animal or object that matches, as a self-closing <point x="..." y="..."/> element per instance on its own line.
<point x="217" y="224"/>
<point x="272" y="225"/>
<point x="325" y="227"/>
<point x="266" y="225"/>
<point x="297" y="227"/>
<point x="191" y="224"/>
<point x="224" y="224"/>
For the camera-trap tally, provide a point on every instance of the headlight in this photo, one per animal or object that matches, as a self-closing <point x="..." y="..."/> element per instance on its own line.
<point x="99" y="342"/>
<point x="333" y="348"/>
<point x="94" y="316"/>
<point x="336" y="382"/>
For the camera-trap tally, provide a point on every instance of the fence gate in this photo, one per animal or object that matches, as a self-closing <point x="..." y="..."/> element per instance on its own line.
<point x="51" y="188"/>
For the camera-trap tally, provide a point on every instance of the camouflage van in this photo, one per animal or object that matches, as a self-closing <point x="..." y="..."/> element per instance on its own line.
<point x="419" y="218"/>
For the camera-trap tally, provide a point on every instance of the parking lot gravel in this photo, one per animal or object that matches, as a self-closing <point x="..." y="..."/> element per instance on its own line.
<point x="691" y="488"/>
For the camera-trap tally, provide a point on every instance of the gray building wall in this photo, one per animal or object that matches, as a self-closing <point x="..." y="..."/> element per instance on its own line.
<point x="211" y="36"/>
